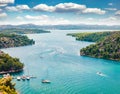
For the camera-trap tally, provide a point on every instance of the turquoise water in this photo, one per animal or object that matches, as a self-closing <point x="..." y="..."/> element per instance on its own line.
<point x="55" y="56"/>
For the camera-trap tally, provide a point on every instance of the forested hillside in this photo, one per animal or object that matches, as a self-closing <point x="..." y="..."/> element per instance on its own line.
<point x="9" y="64"/>
<point x="91" y="37"/>
<point x="108" y="48"/>
<point x="12" y="40"/>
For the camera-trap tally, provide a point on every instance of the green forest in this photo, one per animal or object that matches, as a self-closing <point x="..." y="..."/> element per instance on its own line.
<point x="13" y="40"/>
<point x="89" y="36"/>
<point x="9" y="64"/>
<point x="107" y="44"/>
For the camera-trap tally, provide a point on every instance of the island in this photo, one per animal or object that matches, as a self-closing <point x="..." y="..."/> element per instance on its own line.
<point x="107" y="44"/>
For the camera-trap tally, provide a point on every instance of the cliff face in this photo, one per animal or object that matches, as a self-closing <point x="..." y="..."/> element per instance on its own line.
<point x="109" y="48"/>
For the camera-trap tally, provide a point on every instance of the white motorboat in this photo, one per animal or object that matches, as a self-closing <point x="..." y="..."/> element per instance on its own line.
<point x="18" y="78"/>
<point x="46" y="81"/>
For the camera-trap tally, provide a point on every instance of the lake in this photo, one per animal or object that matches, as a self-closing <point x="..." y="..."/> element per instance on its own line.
<point x="56" y="57"/>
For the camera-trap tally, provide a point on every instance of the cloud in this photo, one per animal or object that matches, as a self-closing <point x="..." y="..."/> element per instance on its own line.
<point x="111" y="9"/>
<point x="42" y="17"/>
<point x="17" y="8"/>
<point x="44" y="7"/>
<point x="117" y="13"/>
<point x="109" y="21"/>
<point x="62" y="7"/>
<point x="3" y="15"/>
<point x="68" y="7"/>
<point x="12" y="8"/>
<point x="19" y="18"/>
<point x="94" y="10"/>
<point x="22" y="7"/>
<point x="6" y="1"/>
<point x="2" y="5"/>
<point x="110" y="4"/>
<point x="112" y="18"/>
<point x="44" y="20"/>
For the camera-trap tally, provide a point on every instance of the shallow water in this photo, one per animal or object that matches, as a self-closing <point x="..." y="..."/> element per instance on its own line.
<point x="55" y="56"/>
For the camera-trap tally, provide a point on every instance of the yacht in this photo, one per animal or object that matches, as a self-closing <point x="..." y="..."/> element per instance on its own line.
<point x="28" y="77"/>
<point x="23" y="78"/>
<point x="46" y="81"/>
<point x="18" y="78"/>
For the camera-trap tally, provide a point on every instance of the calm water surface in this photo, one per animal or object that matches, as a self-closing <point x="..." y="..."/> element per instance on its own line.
<point x="55" y="56"/>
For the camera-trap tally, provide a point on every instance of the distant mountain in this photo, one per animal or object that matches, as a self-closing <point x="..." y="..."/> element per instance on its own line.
<point x="64" y="27"/>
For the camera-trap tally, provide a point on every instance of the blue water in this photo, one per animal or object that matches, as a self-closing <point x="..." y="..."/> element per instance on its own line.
<point x="55" y="56"/>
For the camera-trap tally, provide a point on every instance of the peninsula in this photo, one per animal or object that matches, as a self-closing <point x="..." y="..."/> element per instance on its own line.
<point x="107" y="44"/>
<point x="13" y="40"/>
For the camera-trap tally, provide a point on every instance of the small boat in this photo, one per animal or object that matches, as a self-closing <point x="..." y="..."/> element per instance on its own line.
<point x="99" y="73"/>
<point x="33" y="76"/>
<point x="23" y="78"/>
<point x="18" y="78"/>
<point x="28" y="77"/>
<point x="46" y="81"/>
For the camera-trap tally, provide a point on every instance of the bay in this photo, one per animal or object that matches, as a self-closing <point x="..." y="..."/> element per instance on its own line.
<point x="56" y="57"/>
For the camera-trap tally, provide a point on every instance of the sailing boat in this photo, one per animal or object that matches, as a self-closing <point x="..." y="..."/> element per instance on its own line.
<point x="46" y="80"/>
<point x="28" y="77"/>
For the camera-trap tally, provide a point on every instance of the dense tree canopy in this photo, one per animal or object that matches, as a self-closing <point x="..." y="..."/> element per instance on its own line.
<point x="109" y="48"/>
<point x="8" y="63"/>
<point x="91" y="37"/>
<point x="107" y="44"/>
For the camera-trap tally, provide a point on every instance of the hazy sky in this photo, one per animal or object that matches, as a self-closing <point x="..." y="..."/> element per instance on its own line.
<point x="50" y="12"/>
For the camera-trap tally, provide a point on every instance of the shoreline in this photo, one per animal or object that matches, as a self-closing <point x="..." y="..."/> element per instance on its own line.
<point x="11" y="71"/>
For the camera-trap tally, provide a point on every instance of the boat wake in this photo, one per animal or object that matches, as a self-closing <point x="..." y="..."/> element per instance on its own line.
<point x="54" y="51"/>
